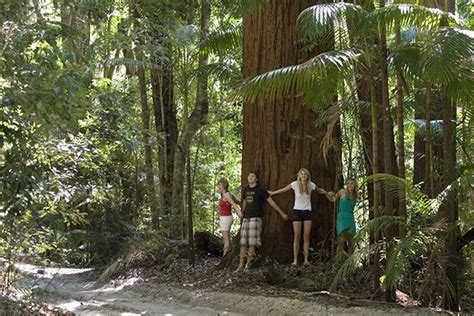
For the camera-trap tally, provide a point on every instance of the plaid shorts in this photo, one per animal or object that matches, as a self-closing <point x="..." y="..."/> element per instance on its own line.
<point x="250" y="232"/>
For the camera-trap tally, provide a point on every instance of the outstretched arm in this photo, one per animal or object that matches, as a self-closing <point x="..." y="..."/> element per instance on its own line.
<point x="287" y="188"/>
<point x="331" y="196"/>
<point x="228" y="198"/>
<point x="277" y="208"/>
<point x="320" y="190"/>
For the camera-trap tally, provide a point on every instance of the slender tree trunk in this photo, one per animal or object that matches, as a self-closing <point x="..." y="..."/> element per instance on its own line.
<point x="197" y="119"/>
<point x="145" y="114"/>
<point x="388" y="138"/>
<point x="377" y="187"/>
<point x="401" y="144"/>
<point x="449" y="209"/>
<point x="189" y="191"/>
<point x="428" y="144"/>
<point x="166" y="126"/>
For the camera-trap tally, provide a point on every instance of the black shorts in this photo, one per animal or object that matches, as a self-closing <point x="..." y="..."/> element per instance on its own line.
<point x="302" y="215"/>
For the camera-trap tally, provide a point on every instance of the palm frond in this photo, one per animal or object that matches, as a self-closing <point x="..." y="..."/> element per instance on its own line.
<point x="379" y="223"/>
<point x="406" y="15"/>
<point x="224" y="72"/>
<point x="396" y="187"/>
<point x="447" y="60"/>
<point x="353" y="262"/>
<point x="399" y="258"/>
<point x="405" y="58"/>
<point x="319" y="20"/>
<point x="224" y="41"/>
<point x="130" y="63"/>
<point x="303" y="77"/>
<point x="460" y="184"/>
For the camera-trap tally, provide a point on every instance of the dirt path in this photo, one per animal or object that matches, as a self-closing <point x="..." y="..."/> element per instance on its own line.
<point x="76" y="290"/>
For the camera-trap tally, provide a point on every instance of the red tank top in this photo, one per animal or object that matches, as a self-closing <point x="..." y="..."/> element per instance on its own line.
<point x="225" y="208"/>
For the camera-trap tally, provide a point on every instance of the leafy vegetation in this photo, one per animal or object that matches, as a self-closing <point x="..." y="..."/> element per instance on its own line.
<point x="104" y="104"/>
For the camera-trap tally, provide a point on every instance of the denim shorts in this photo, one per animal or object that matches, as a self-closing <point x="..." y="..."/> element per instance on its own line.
<point x="302" y="215"/>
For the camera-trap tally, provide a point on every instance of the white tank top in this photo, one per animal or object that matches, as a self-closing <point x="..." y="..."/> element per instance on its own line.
<point x="302" y="201"/>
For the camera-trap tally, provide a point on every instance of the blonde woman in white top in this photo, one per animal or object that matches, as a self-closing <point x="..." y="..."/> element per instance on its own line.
<point x="302" y="214"/>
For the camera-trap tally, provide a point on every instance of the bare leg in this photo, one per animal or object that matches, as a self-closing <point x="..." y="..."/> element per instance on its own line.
<point x="226" y="238"/>
<point x="243" y="255"/>
<point x="296" y="240"/>
<point x="307" y="238"/>
<point x="350" y="242"/>
<point x="251" y="256"/>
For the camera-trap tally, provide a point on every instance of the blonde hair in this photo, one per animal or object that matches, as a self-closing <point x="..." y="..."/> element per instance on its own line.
<point x="352" y="195"/>
<point x="304" y="187"/>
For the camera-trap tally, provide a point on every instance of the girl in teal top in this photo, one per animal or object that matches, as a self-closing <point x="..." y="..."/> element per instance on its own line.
<point x="345" y="224"/>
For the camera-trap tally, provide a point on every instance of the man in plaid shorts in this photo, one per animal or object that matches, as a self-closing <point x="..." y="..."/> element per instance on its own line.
<point x="254" y="195"/>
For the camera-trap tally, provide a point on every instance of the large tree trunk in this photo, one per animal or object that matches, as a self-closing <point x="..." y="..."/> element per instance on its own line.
<point x="280" y="137"/>
<point x="197" y="119"/>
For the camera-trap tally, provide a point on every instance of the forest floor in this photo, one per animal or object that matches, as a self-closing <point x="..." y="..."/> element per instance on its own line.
<point x="183" y="289"/>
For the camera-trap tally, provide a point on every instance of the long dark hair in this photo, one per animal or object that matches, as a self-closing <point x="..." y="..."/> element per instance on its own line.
<point x="225" y="184"/>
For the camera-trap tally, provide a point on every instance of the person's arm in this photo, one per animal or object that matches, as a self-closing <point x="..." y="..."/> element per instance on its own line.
<point x="228" y="198"/>
<point x="333" y="197"/>
<point x="321" y="190"/>
<point x="287" y="188"/>
<point x="244" y="205"/>
<point x="277" y="208"/>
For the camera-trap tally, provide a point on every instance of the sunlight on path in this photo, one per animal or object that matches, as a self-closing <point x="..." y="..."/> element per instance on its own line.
<point x="76" y="291"/>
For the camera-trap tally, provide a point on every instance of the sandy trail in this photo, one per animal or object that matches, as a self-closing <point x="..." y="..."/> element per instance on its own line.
<point x="77" y="291"/>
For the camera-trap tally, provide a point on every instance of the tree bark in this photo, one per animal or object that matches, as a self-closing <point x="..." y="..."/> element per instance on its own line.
<point x="377" y="186"/>
<point x="388" y="139"/>
<point x="166" y="126"/>
<point x="402" y="209"/>
<point x="449" y="209"/>
<point x="280" y="137"/>
<point x="197" y="119"/>
<point x="429" y="189"/>
<point x="145" y="115"/>
<point x="189" y="195"/>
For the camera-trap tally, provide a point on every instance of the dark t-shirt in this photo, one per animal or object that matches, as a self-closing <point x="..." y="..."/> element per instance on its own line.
<point x="254" y="197"/>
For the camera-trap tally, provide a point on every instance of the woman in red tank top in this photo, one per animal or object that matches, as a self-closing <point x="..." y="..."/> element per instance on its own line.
<point x="225" y="212"/>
